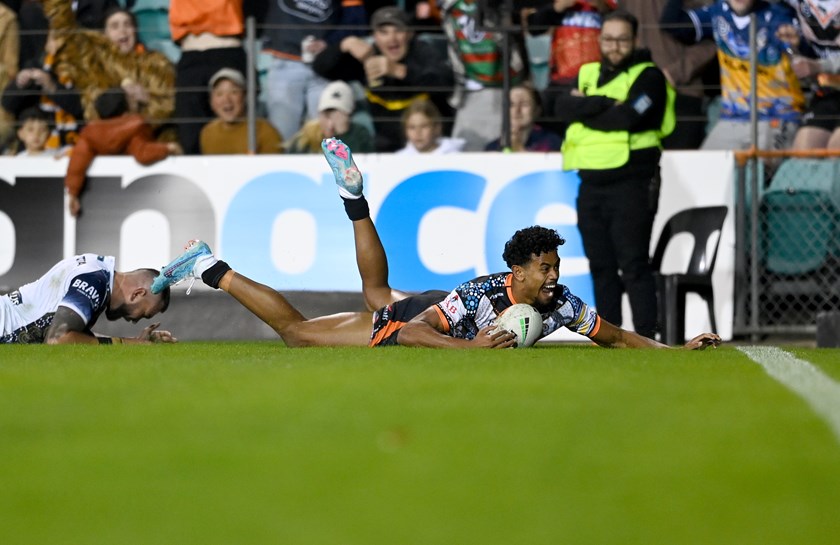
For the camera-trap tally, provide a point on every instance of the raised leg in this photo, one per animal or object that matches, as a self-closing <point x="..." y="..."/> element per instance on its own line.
<point x="370" y="255"/>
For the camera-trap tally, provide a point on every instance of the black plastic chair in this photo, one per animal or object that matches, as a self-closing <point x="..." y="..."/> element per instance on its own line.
<point x="701" y="223"/>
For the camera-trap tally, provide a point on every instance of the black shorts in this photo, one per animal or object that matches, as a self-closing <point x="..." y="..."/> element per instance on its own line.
<point x="388" y="320"/>
<point x="824" y="111"/>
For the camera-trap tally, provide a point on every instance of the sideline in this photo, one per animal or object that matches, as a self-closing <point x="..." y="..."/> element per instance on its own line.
<point x="818" y="389"/>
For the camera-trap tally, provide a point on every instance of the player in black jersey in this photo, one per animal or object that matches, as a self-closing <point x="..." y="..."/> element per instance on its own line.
<point x="460" y="319"/>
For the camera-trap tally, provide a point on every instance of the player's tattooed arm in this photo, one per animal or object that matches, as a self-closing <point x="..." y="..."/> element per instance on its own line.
<point x="68" y="328"/>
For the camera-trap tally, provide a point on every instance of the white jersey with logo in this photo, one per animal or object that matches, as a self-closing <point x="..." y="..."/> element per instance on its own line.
<point x="82" y="283"/>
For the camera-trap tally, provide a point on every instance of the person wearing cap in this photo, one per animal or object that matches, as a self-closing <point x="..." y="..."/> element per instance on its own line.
<point x="396" y="69"/>
<point x="335" y="110"/>
<point x="293" y="34"/>
<point x="228" y="133"/>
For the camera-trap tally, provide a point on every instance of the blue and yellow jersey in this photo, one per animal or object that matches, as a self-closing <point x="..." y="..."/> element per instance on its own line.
<point x="779" y="93"/>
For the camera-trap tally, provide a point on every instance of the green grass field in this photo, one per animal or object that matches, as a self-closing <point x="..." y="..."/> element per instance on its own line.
<point x="253" y="443"/>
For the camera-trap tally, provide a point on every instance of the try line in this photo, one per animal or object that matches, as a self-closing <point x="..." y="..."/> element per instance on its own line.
<point x="818" y="389"/>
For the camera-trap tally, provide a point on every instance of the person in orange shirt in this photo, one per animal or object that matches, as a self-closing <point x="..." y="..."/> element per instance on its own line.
<point x="209" y="33"/>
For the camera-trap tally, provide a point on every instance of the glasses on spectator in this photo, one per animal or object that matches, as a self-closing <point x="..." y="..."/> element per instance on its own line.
<point x="616" y="40"/>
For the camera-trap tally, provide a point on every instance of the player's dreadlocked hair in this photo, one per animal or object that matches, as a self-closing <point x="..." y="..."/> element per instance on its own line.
<point x="528" y="241"/>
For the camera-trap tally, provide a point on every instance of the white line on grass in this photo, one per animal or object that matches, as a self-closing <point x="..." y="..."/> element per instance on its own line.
<point x="817" y="388"/>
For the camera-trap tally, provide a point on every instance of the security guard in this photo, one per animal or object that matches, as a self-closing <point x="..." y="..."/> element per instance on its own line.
<point x="623" y="106"/>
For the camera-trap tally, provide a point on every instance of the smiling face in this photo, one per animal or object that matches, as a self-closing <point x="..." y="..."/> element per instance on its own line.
<point x="120" y="30"/>
<point x="227" y="100"/>
<point x="392" y="41"/>
<point x="536" y="280"/>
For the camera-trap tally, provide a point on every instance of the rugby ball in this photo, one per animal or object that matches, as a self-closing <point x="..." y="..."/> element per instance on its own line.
<point x="523" y="321"/>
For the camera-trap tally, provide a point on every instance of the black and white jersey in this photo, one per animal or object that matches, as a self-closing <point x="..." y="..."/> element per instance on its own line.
<point x="82" y="283"/>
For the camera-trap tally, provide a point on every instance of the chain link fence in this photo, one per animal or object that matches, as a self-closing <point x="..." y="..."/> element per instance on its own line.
<point x="788" y="241"/>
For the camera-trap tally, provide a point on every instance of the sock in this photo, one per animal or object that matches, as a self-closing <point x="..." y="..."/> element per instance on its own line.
<point x="356" y="208"/>
<point x="213" y="274"/>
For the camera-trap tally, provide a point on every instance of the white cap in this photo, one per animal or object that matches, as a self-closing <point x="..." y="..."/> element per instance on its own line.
<point x="337" y="96"/>
<point x="231" y="74"/>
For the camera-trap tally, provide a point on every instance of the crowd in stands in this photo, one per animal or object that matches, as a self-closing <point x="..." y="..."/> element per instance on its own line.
<point x="406" y="77"/>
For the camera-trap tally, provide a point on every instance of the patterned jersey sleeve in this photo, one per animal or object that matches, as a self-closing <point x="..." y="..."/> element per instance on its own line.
<point x="87" y="294"/>
<point x="573" y="313"/>
<point x="468" y="307"/>
<point x="453" y="309"/>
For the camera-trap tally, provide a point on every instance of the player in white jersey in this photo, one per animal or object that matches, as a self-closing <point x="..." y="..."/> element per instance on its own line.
<point x="461" y="319"/>
<point x="62" y="306"/>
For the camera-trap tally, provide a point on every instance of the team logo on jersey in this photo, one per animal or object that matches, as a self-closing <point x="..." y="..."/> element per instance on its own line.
<point x="16" y="297"/>
<point x="90" y="291"/>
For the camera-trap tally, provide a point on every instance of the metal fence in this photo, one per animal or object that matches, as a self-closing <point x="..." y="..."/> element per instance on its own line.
<point x="787" y="240"/>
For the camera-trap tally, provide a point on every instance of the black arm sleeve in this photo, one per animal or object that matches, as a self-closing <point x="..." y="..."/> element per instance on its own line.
<point x="571" y="108"/>
<point x="676" y="22"/>
<point x="643" y="109"/>
<point x="333" y="64"/>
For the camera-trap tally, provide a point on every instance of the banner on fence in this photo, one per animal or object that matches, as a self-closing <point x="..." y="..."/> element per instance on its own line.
<point x="442" y="219"/>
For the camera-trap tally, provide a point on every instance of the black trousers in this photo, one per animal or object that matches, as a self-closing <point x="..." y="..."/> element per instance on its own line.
<point x="615" y="222"/>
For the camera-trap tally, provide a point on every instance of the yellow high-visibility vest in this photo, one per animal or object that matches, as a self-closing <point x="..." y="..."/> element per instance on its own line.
<point x="591" y="149"/>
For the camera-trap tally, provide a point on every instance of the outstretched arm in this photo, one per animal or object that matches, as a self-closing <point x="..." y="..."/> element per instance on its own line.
<point x="70" y="328"/>
<point x="612" y="336"/>
<point x="427" y="330"/>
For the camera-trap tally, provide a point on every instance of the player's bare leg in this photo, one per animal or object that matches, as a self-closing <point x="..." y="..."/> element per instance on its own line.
<point x="344" y="329"/>
<point x="198" y="261"/>
<point x="370" y="254"/>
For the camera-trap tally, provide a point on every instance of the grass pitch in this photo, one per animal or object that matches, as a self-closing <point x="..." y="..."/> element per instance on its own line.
<point x="254" y="443"/>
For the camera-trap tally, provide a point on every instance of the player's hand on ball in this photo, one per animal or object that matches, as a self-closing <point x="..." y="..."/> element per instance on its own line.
<point x="492" y="337"/>
<point x="700" y="342"/>
<point x="150" y="334"/>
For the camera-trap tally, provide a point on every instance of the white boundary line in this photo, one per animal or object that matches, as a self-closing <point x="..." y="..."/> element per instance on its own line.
<point x="818" y="389"/>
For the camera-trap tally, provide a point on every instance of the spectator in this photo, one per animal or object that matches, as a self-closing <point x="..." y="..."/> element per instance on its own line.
<point x="423" y="131"/>
<point x="209" y="33"/>
<point x="35" y="26"/>
<point x="621" y="110"/>
<point x="40" y="86"/>
<point x="294" y="34"/>
<point x="820" y="24"/>
<point x="476" y="57"/>
<point x="685" y="67"/>
<point x="228" y="133"/>
<point x="574" y="26"/>
<point x="780" y="99"/>
<point x="9" y="52"/>
<point x="9" y="45"/>
<point x="95" y="61"/>
<point x="335" y="110"/>
<point x="33" y="133"/>
<point x="116" y="131"/>
<point x="525" y="135"/>
<point x="396" y="69"/>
